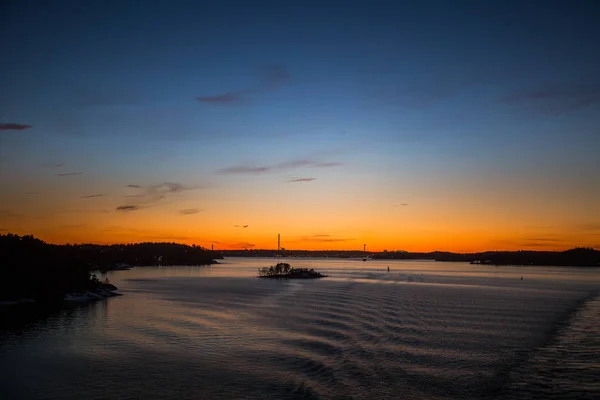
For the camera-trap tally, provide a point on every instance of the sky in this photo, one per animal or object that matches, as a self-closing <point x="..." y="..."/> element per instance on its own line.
<point x="403" y="125"/>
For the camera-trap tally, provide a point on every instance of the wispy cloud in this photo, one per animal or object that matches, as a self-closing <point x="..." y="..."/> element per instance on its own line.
<point x="154" y="195"/>
<point x="295" y="163"/>
<point x="288" y="165"/>
<point x="557" y="99"/>
<point x="232" y="97"/>
<point x="241" y="226"/>
<point x="189" y="211"/>
<point x="301" y="180"/>
<point x="272" y="78"/>
<point x="400" y="205"/>
<point x="128" y="208"/>
<point x="53" y="165"/>
<point x="70" y="174"/>
<point x="244" y="169"/>
<point x="328" y="164"/>
<point x="90" y="196"/>
<point x="14" y="127"/>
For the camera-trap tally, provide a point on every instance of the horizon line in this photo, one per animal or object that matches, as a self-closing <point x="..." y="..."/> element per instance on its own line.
<point x="303" y="250"/>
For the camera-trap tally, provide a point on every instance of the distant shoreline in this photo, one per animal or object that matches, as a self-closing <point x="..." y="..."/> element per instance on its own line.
<point x="578" y="257"/>
<point x="32" y="269"/>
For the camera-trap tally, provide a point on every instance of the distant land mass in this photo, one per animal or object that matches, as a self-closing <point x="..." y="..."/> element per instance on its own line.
<point x="577" y="257"/>
<point x="35" y="270"/>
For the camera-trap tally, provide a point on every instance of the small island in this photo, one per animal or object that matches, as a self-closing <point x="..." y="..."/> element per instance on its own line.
<point x="285" y="271"/>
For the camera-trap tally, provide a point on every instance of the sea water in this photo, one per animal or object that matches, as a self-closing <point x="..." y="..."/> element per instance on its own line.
<point x="424" y="330"/>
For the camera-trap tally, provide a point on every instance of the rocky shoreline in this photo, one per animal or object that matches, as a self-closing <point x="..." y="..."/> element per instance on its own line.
<point x="87" y="296"/>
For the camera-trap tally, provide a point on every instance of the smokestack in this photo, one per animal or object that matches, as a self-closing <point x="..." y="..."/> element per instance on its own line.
<point x="278" y="242"/>
<point x="364" y="247"/>
<point x="212" y="247"/>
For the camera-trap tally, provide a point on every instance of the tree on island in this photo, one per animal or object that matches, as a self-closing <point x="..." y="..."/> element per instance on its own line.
<point x="285" y="270"/>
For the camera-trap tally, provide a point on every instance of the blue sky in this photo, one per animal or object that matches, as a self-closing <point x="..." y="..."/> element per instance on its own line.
<point x="489" y="96"/>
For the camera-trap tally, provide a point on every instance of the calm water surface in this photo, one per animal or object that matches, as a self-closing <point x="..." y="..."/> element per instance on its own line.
<point x="425" y="330"/>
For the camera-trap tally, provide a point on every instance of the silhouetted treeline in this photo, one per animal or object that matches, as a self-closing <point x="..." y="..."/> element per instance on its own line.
<point x="575" y="257"/>
<point x="579" y="257"/>
<point x="31" y="268"/>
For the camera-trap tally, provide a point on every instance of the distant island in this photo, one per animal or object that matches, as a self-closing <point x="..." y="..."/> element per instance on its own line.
<point x="577" y="257"/>
<point x="285" y="271"/>
<point x="38" y="272"/>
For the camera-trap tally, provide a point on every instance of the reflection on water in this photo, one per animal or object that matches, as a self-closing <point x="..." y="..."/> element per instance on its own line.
<point x="423" y="330"/>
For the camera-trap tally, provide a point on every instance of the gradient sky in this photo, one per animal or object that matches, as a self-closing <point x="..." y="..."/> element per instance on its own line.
<point x="417" y="125"/>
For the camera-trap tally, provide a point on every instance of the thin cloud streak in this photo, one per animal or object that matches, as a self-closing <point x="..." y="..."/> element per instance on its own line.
<point x="153" y="195"/>
<point x="14" y="127"/>
<point x="274" y="77"/>
<point x="241" y="169"/>
<point x="128" y="208"/>
<point x="91" y="196"/>
<point x="557" y="99"/>
<point x="189" y="211"/>
<point x="70" y="174"/>
<point x="301" y="180"/>
<point x="222" y="98"/>
<point x="328" y="164"/>
<point x="295" y="163"/>
<point x="255" y="170"/>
